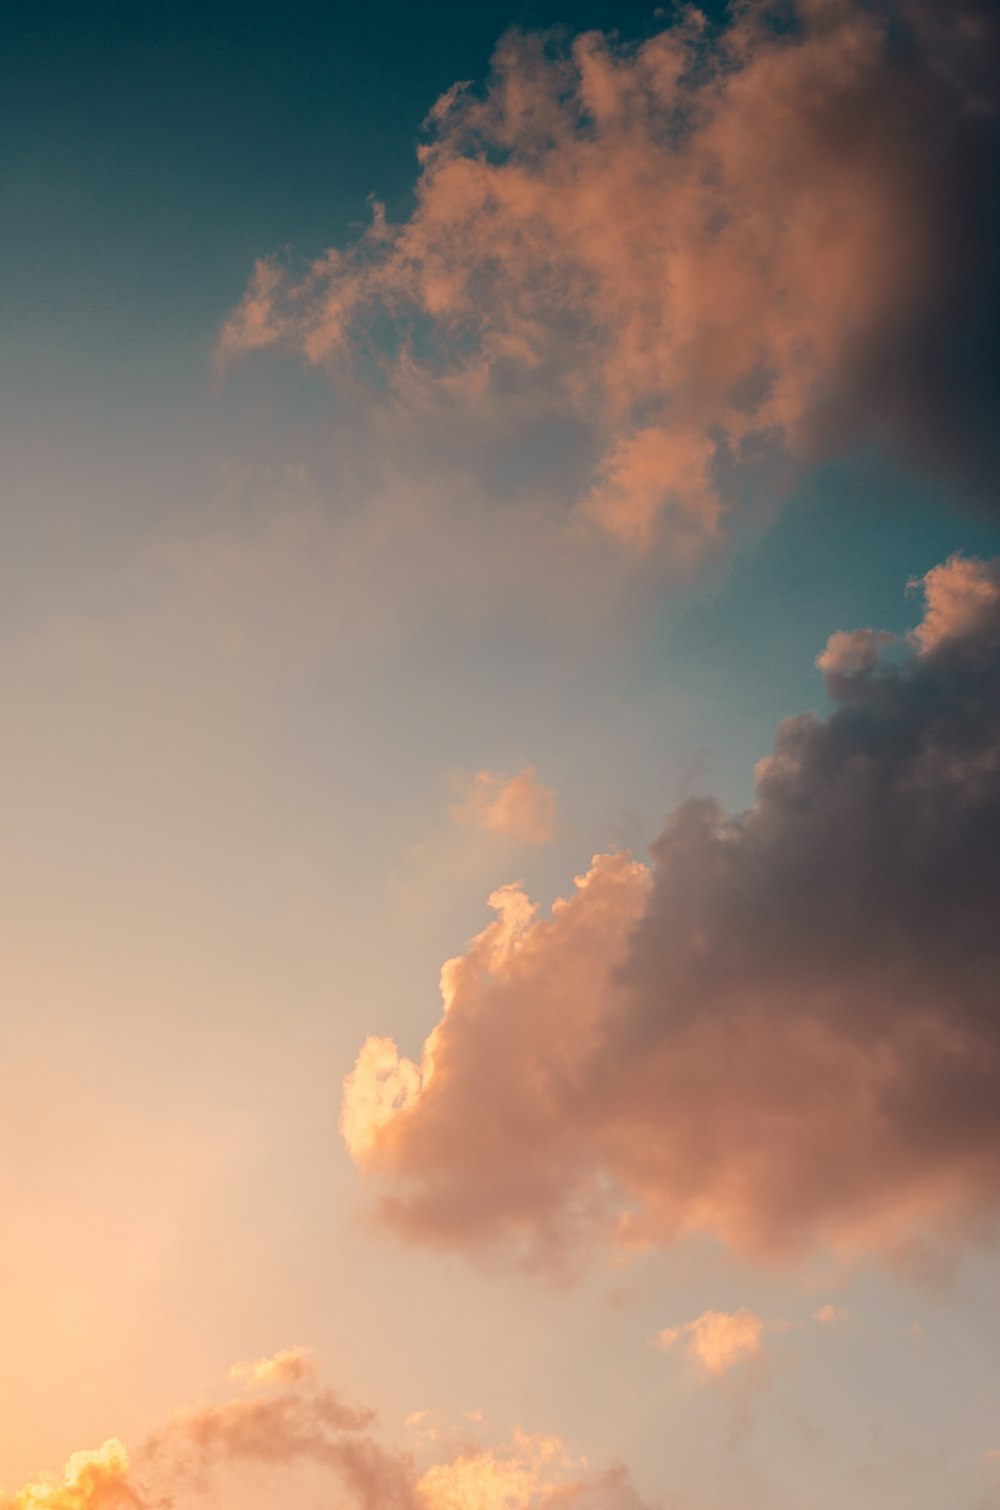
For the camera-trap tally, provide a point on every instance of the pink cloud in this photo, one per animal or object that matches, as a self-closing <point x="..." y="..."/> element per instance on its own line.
<point x="853" y="653"/>
<point x="782" y="1033"/>
<point x="516" y="807"/>
<point x="467" y="1083"/>
<point x="717" y="1340"/>
<point x="830" y="1315"/>
<point x="706" y="244"/>
<point x="286" y="1417"/>
<point x="962" y="596"/>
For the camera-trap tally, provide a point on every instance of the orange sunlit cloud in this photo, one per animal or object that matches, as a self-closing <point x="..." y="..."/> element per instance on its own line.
<point x="94" y="1480"/>
<point x="287" y="1418"/>
<point x="517" y="807"/>
<point x="402" y="610"/>
<point x="716" y="1340"/>
<point x="706" y="244"/>
<point x="831" y="1315"/>
<point x="775" y="1034"/>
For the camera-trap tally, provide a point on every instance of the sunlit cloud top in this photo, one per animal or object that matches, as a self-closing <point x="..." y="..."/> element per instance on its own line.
<point x="705" y="250"/>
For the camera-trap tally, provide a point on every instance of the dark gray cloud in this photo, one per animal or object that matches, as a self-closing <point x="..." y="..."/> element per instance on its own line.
<point x="926" y="382"/>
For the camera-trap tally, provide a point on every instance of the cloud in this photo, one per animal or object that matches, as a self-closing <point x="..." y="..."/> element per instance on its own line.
<point x="830" y="1315"/>
<point x="719" y="244"/>
<point x="379" y="1086"/>
<point x="783" y="1032"/>
<point x="285" y="1418"/>
<point x="516" y="807"/>
<point x="433" y="1426"/>
<point x="848" y="654"/>
<point x="717" y="1340"/>
<point x="289" y="1366"/>
<point x="98" y="1480"/>
<point x="962" y="598"/>
<point x="511" y="1478"/>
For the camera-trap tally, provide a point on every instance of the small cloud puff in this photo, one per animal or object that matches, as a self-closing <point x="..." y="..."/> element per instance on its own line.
<point x="854" y="653"/>
<point x="717" y="1340"/>
<point x="515" y="807"/>
<point x="830" y="1315"/>
<point x="286" y="1367"/>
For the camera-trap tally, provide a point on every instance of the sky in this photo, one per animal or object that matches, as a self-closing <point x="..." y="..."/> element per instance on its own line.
<point x="500" y="649"/>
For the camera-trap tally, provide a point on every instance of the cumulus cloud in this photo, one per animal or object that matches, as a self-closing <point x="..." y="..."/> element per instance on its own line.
<point x="961" y="597"/>
<point x="489" y="1094"/>
<point x="773" y="234"/>
<point x="848" y="653"/>
<point x="98" y="1480"/>
<point x="717" y="1340"/>
<point x="286" y="1417"/>
<point x="783" y="1032"/>
<point x="516" y="807"/>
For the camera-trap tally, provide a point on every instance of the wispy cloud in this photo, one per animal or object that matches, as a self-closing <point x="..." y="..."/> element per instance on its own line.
<point x="716" y="1340"/>
<point x="516" y="807"/>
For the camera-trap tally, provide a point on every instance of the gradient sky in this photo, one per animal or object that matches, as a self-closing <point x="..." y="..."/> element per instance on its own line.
<point x="354" y="570"/>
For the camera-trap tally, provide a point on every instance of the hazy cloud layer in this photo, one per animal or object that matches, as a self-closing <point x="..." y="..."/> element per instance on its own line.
<point x="284" y="1418"/>
<point x="717" y="245"/>
<point x="785" y="1032"/>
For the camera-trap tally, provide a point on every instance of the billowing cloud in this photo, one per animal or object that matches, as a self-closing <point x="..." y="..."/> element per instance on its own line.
<point x="97" y="1480"/>
<point x="717" y="1340"/>
<point x="784" y="1032"/>
<point x="532" y="1471"/>
<point x="475" y="1128"/>
<point x="698" y="250"/>
<point x="515" y="807"/>
<point x="284" y="1418"/>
